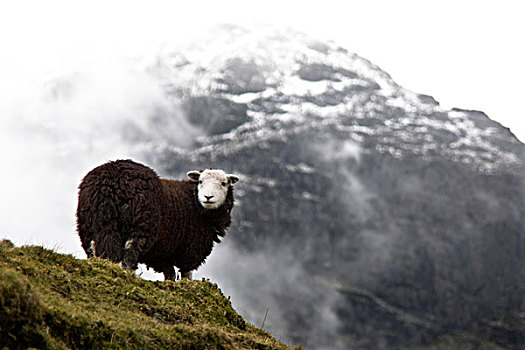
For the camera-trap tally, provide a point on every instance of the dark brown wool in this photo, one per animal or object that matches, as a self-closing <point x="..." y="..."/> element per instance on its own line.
<point x="132" y="216"/>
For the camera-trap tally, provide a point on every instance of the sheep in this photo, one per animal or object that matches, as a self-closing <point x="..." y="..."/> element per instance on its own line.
<point x="126" y="213"/>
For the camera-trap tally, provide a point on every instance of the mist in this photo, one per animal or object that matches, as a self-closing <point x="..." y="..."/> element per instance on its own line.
<point x="282" y="296"/>
<point x="54" y="130"/>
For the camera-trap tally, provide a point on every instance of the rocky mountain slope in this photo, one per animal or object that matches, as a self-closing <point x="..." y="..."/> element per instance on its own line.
<point x="368" y="217"/>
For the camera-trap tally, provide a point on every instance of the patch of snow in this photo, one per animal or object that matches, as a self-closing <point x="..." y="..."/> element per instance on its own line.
<point x="295" y="86"/>
<point x="300" y="168"/>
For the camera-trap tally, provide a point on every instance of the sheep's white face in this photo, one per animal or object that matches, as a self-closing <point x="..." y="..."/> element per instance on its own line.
<point x="212" y="186"/>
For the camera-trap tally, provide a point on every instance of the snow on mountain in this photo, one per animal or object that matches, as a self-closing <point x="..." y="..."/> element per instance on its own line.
<point x="300" y="77"/>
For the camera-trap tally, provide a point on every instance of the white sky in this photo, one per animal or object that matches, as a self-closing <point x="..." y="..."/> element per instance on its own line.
<point x="467" y="54"/>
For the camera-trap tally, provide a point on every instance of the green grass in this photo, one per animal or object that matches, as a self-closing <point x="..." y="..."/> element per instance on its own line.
<point x="55" y="301"/>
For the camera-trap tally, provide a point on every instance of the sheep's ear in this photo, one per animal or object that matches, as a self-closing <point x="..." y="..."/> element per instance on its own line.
<point x="232" y="178"/>
<point x="194" y="175"/>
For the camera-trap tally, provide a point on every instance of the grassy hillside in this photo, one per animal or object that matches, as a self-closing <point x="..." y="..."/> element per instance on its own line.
<point x="55" y="301"/>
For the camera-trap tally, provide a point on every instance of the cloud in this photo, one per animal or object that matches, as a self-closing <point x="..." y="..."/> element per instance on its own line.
<point x="54" y="130"/>
<point x="276" y="280"/>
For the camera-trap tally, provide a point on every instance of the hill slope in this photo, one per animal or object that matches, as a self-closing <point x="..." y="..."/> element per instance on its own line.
<point x="50" y="300"/>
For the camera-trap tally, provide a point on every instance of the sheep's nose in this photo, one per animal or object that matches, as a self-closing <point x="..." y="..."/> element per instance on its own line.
<point x="208" y="197"/>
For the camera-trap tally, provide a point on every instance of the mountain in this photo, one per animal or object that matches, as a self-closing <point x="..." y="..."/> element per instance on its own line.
<point x="367" y="216"/>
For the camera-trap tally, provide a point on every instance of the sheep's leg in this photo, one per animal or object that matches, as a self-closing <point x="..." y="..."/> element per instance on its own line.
<point x="132" y="250"/>
<point x="186" y="274"/>
<point x="89" y="248"/>
<point x="169" y="273"/>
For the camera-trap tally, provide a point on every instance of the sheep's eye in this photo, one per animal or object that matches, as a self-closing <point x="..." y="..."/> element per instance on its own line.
<point x="224" y="183"/>
<point x="200" y="181"/>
